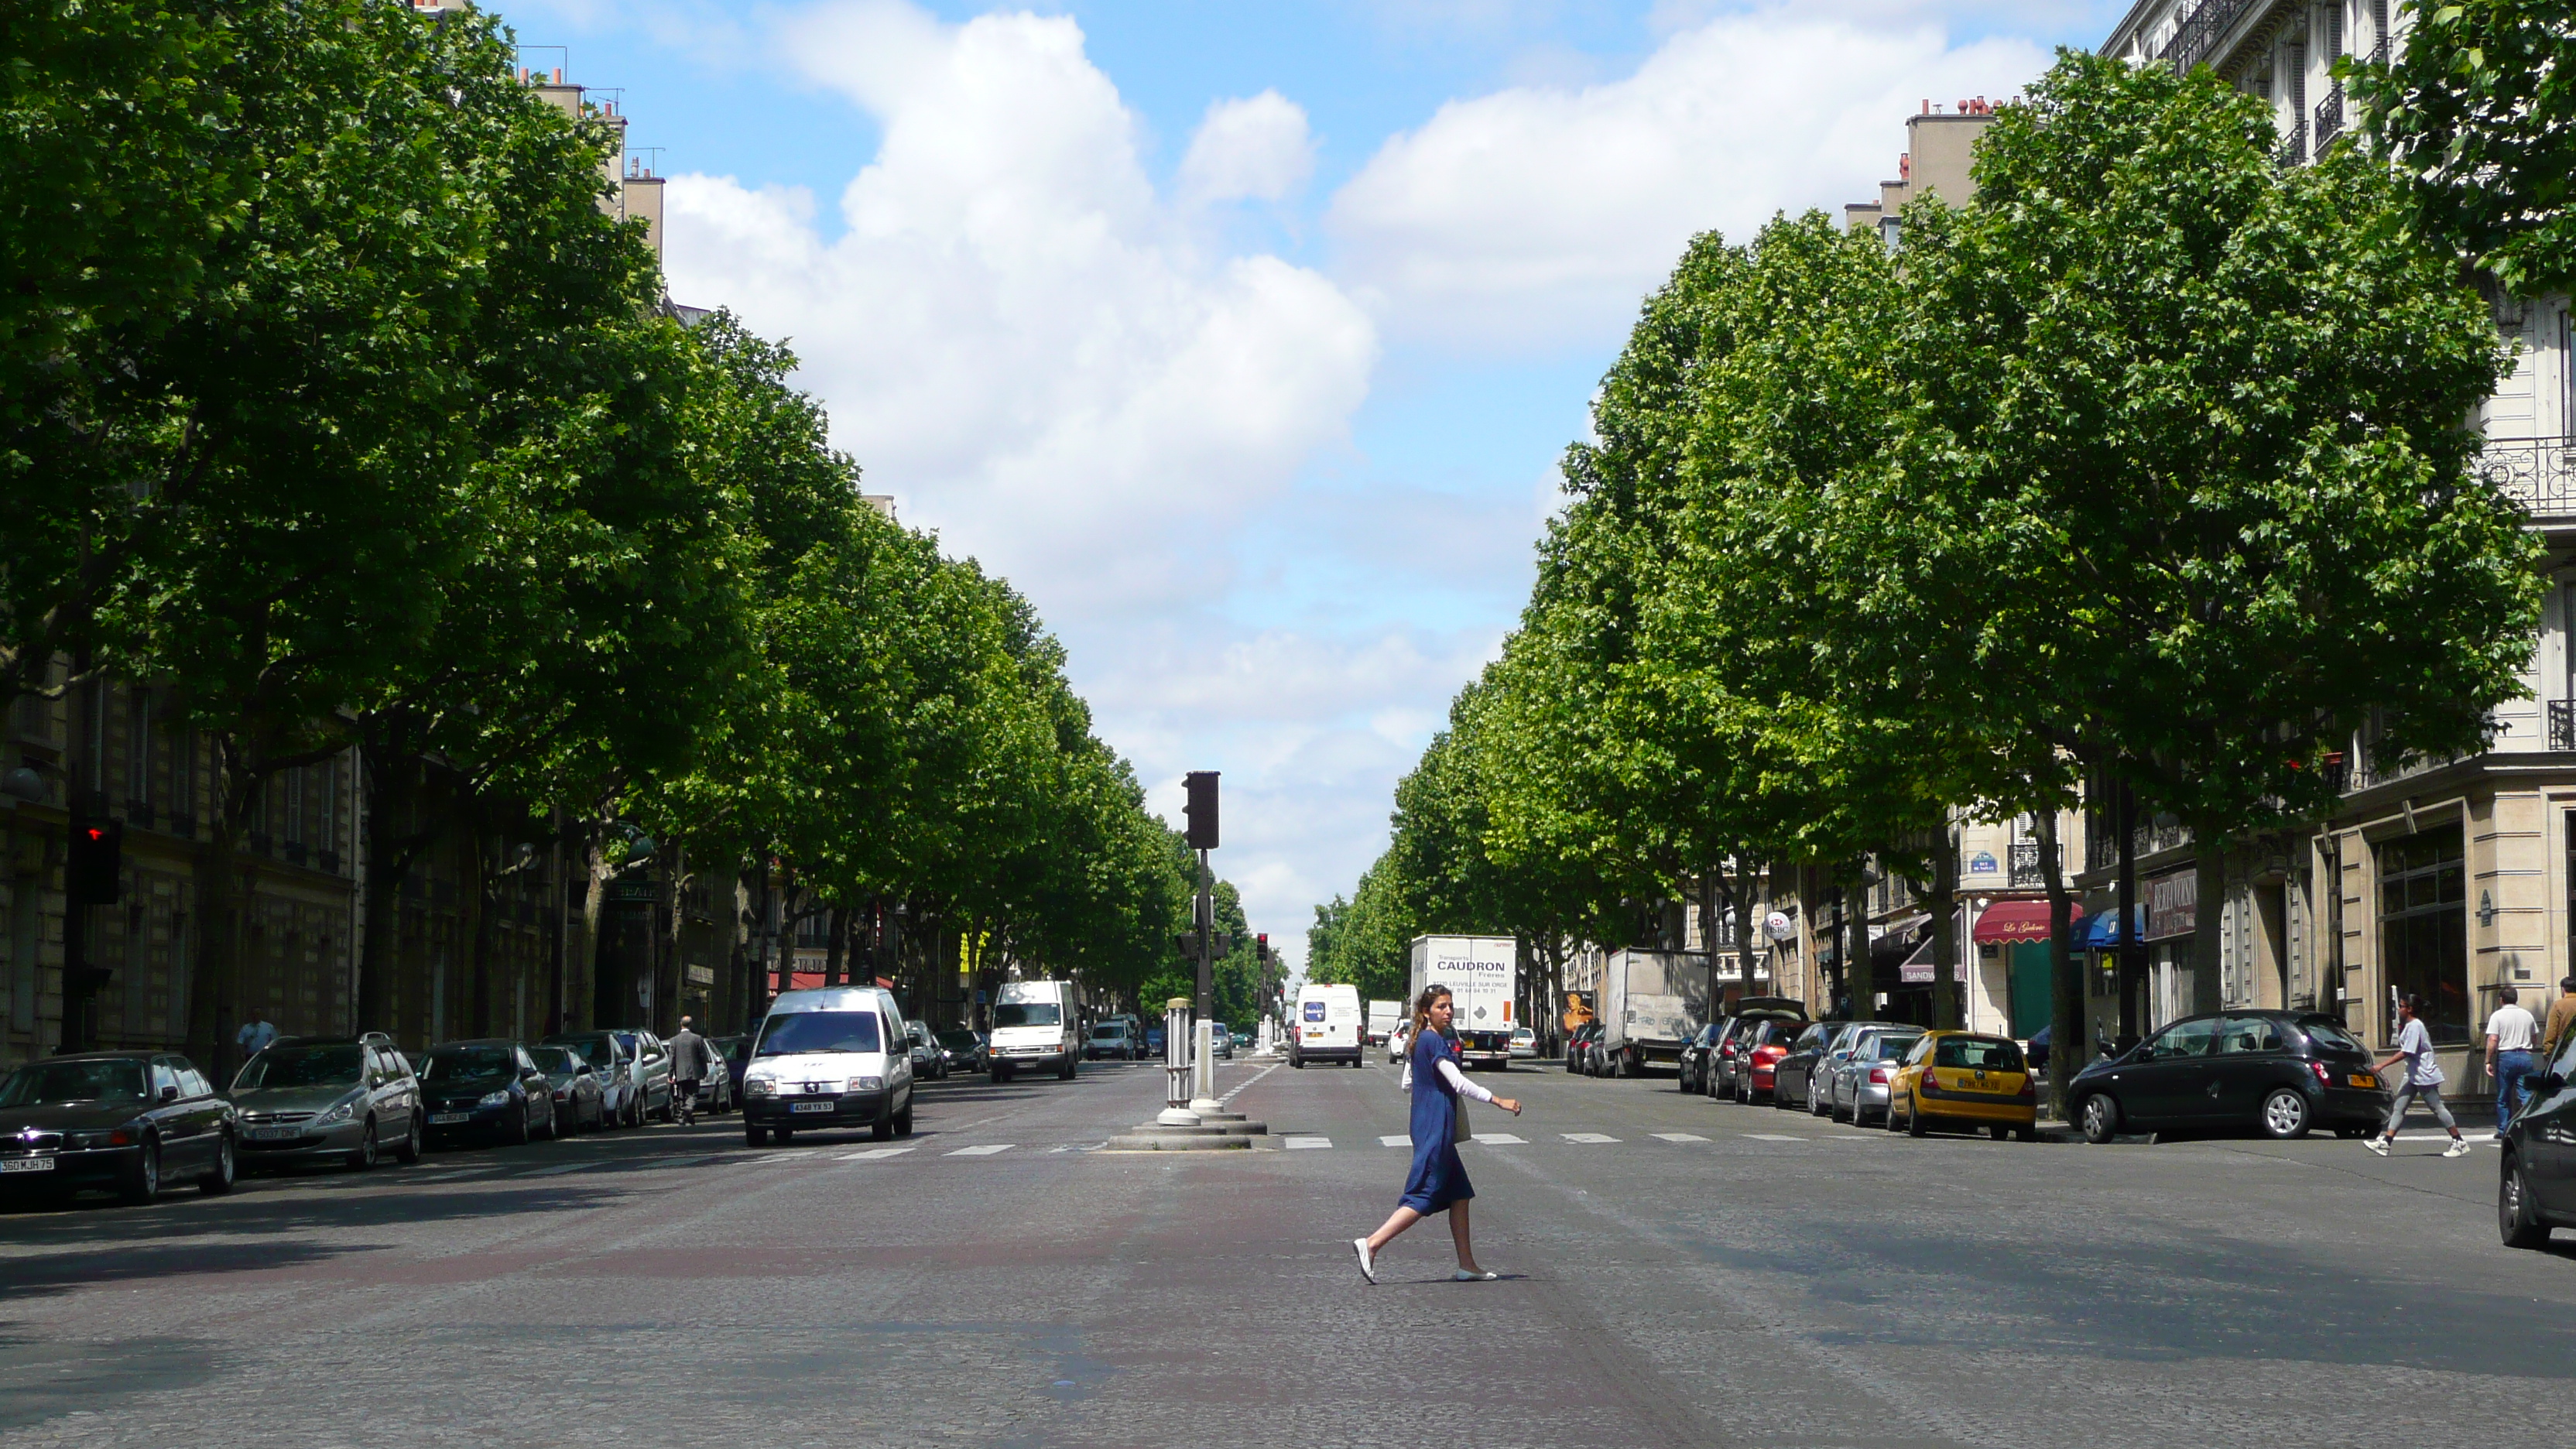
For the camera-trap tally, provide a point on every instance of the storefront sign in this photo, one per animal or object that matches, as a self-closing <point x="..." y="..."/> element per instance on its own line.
<point x="2173" y="904"/>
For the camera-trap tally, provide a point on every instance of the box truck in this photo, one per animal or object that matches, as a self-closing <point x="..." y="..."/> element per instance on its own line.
<point x="1383" y="1018"/>
<point x="1651" y="1002"/>
<point x="1483" y="977"/>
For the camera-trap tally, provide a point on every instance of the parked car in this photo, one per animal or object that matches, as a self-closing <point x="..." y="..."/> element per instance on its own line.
<point x="1577" y="1042"/>
<point x="1793" y="1076"/>
<point x="307" y="1099"/>
<point x="927" y="1059"/>
<point x="614" y="1064"/>
<point x="1818" y="1098"/>
<point x="1757" y="1061"/>
<point x="964" y="1050"/>
<point x="716" y="1091"/>
<point x="1154" y="1040"/>
<point x="2278" y="1072"/>
<point x="1960" y="1081"/>
<point x="1856" y="1091"/>
<point x="580" y="1106"/>
<point x="1220" y="1042"/>
<point x="130" y="1121"/>
<point x="1524" y="1044"/>
<point x="736" y="1051"/>
<point x="1727" y="1061"/>
<point x="2536" y="1189"/>
<point x="652" y="1072"/>
<point x="489" y="1086"/>
<point x="1110" y="1039"/>
<point x="1694" y="1057"/>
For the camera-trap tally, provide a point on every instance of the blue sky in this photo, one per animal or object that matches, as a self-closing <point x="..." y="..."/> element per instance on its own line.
<point x="1245" y="337"/>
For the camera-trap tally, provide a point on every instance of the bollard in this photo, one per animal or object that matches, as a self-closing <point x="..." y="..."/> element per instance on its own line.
<point x="1176" y="1065"/>
<point x="1203" y="1070"/>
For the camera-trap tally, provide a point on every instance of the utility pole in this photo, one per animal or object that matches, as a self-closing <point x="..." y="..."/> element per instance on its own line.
<point x="1199" y="807"/>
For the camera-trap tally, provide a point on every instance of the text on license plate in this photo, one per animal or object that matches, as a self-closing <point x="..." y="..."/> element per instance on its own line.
<point x="272" y="1134"/>
<point x="449" y="1119"/>
<point x="810" y="1107"/>
<point x="27" y="1164"/>
<point x="2361" y="1081"/>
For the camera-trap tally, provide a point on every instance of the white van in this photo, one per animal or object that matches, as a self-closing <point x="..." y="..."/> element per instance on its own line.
<point x="837" y="1057"/>
<point x="1036" y="1025"/>
<point x="1326" y="1027"/>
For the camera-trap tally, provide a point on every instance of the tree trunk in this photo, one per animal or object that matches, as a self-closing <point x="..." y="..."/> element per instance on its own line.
<point x="483" y="988"/>
<point x="1858" y="969"/>
<point x="670" y="973"/>
<point x="836" y="943"/>
<point x="1949" y="1005"/>
<point x="1745" y="878"/>
<point x="213" y="1000"/>
<point x="2208" y="916"/>
<point x="557" y="1001"/>
<point x="2065" y="978"/>
<point x="594" y="902"/>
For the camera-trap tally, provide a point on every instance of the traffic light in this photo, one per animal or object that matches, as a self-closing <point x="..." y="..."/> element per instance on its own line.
<point x="1261" y="949"/>
<point x="89" y="875"/>
<point x="1200" y="808"/>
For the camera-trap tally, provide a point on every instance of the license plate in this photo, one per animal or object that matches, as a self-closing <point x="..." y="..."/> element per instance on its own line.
<point x="809" y="1107"/>
<point x="273" y="1134"/>
<point x="26" y="1164"/>
<point x="449" y="1119"/>
<point x="2360" y="1081"/>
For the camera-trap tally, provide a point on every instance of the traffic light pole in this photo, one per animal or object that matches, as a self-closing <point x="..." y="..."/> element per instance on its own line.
<point x="1205" y="1003"/>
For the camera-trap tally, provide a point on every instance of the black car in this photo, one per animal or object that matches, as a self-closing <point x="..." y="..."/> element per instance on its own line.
<point x="736" y="1051"/>
<point x="1578" y="1046"/>
<point x="929" y="1059"/>
<point x="2537" y="1188"/>
<point x="491" y="1086"/>
<point x="964" y="1049"/>
<point x="2278" y="1072"/>
<point x="1793" y="1077"/>
<point x="1694" y="1057"/>
<point x="131" y="1121"/>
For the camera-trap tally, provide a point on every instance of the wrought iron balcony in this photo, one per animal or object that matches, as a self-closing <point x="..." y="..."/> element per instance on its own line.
<point x="2562" y="724"/>
<point x="2025" y="864"/>
<point x="2538" y="473"/>
<point x="2330" y="116"/>
<point x="2207" y="23"/>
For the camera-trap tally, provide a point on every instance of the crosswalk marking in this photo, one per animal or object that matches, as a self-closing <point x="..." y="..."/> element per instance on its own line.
<point x="872" y="1154"/>
<point x="1773" y="1137"/>
<point x="783" y="1157"/>
<point x="1400" y="1139"/>
<point x="1499" y="1139"/>
<point x="987" y="1150"/>
<point x="1680" y="1137"/>
<point x="1077" y="1147"/>
<point x="1303" y="1144"/>
<point x="1585" y="1137"/>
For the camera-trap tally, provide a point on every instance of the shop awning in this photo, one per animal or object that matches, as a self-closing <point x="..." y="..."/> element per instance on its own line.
<point x="2104" y="929"/>
<point x="2016" y="921"/>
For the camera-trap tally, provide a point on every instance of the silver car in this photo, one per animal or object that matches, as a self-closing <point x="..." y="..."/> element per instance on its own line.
<point x="338" y="1101"/>
<point x="1838" y="1045"/>
<point x="1860" y="1082"/>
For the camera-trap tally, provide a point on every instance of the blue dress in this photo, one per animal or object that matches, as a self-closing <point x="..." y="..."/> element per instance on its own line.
<point x="1438" y="1177"/>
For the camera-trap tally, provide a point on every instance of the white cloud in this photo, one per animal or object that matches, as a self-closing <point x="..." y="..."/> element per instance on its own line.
<point x="1536" y="216"/>
<point x="1254" y="149"/>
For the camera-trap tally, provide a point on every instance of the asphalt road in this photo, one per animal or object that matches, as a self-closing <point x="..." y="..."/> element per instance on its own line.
<point x="1749" y="1277"/>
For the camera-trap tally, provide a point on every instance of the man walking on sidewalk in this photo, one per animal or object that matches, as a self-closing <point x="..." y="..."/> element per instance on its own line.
<point x="2510" y="1034"/>
<point x="2423" y="1079"/>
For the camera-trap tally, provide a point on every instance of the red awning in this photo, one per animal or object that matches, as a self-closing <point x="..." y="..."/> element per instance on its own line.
<point x="813" y="981"/>
<point x="2017" y="921"/>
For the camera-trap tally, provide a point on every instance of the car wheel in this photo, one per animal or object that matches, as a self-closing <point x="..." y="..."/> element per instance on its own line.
<point x="1001" y="1074"/>
<point x="517" y="1136"/>
<point x="140" y="1182"/>
<point x="364" y="1158"/>
<point x="784" y="1135"/>
<point x="2026" y="1134"/>
<point x="2517" y="1217"/>
<point x="409" y="1150"/>
<point x="1066" y="1074"/>
<point x="2101" y="1118"/>
<point x="882" y="1129"/>
<point x="1999" y="1132"/>
<point x="755" y="1136"/>
<point x="903" y="1120"/>
<point x="2285" y="1114"/>
<point x="218" y="1180"/>
<point x="1915" y="1126"/>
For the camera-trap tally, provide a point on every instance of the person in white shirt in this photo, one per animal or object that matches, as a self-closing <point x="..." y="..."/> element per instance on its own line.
<point x="2423" y="1080"/>
<point x="256" y="1036"/>
<point x="2511" y="1034"/>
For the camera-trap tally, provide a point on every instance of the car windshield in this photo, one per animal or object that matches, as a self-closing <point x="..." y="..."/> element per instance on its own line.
<point x="455" y="1064"/>
<point x="327" y="1066"/>
<point x="556" y="1061"/>
<point x="74" y="1082"/>
<point x="1111" y="1032"/>
<point x="1977" y="1053"/>
<point x="592" y="1049"/>
<point x="625" y="1039"/>
<point x="957" y="1039"/>
<point x="801" y="1032"/>
<point x="1027" y="1013"/>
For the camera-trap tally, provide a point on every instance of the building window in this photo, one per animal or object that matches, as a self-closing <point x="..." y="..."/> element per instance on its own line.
<point x="2424" y="931"/>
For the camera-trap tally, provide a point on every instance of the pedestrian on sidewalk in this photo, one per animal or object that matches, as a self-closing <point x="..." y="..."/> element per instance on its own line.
<point x="1438" y="1182"/>
<point x="2562" y="1014"/>
<point x="2423" y="1080"/>
<point x="2510" y="1035"/>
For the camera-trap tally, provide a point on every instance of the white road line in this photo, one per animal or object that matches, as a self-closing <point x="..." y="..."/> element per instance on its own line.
<point x="1500" y="1139"/>
<point x="872" y="1154"/>
<point x="2444" y="1137"/>
<point x="987" y="1150"/>
<point x="1680" y="1137"/>
<point x="1078" y="1147"/>
<point x="782" y="1157"/>
<point x="1306" y="1144"/>
<point x="1773" y="1137"/>
<point x="1256" y="1076"/>
<point x="559" y="1171"/>
<point x="1400" y="1139"/>
<point x="1585" y="1137"/>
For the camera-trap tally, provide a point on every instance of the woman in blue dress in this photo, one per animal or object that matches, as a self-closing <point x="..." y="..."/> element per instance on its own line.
<point x="1439" y="1180"/>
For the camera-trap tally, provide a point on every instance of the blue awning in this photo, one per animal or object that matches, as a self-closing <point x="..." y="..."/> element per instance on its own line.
<point x="2104" y="929"/>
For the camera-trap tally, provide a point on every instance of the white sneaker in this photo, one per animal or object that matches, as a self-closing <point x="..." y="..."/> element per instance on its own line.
<point x="2376" y="1144"/>
<point x="1368" y="1260"/>
<point x="1463" y="1276"/>
<point x="2459" y="1148"/>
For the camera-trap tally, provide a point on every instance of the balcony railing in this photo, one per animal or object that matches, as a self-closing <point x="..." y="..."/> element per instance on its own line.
<point x="2538" y="473"/>
<point x="2025" y="864"/>
<point x="2197" y="37"/>
<point x="2330" y="116"/>
<point x="2562" y="724"/>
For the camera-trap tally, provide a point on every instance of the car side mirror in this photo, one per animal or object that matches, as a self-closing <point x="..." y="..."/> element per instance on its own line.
<point x="170" y="1094"/>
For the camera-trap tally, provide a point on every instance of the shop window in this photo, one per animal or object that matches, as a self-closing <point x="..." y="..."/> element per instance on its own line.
<point x="2424" y="932"/>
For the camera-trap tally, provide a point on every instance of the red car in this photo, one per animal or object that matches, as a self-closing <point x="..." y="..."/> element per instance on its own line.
<point x="1762" y="1053"/>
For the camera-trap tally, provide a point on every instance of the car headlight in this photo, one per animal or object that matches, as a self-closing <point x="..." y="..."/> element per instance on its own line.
<point x="867" y="1084"/>
<point x="336" y="1114"/>
<point x="494" y="1099"/>
<point x="759" y="1087"/>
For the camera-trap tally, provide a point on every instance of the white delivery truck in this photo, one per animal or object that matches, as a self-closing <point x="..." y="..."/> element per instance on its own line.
<point x="1383" y="1018"/>
<point x="1651" y="1003"/>
<point x="1326" y="1026"/>
<point x="1483" y="977"/>
<point x="1037" y="1026"/>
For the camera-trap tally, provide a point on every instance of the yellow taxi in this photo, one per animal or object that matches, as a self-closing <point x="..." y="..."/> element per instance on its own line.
<point x="1963" y="1080"/>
